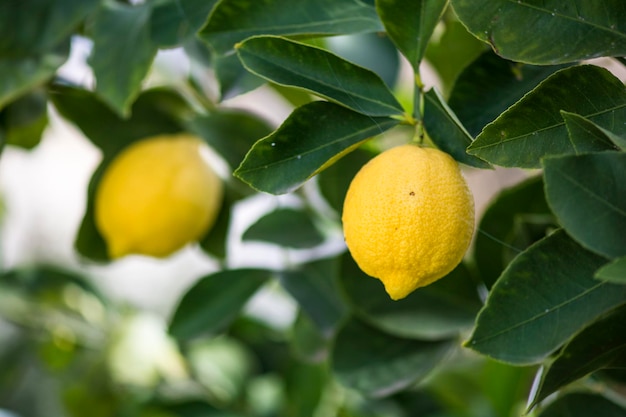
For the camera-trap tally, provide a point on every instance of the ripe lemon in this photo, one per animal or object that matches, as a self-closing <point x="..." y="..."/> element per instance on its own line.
<point x="156" y="196"/>
<point x="408" y="217"/>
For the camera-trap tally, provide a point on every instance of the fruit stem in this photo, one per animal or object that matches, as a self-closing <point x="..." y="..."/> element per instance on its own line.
<point x="418" y="107"/>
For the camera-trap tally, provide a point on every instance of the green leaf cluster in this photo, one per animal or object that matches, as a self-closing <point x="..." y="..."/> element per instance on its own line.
<point x="541" y="291"/>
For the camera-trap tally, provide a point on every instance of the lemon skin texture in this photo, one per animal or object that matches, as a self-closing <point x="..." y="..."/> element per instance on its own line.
<point x="408" y="217"/>
<point x="156" y="196"/>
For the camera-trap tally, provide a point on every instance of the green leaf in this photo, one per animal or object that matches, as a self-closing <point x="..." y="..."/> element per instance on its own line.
<point x="24" y="120"/>
<point x="533" y="127"/>
<point x="614" y="272"/>
<point x="235" y="20"/>
<point x="410" y="24"/>
<point x="446" y="131"/>
<point x="437" y="311"/>
<point x="233" y="78"/>
<point x="313" y="137"/>
<point x="582" y="130"/>
<point x="559" y="31"/>
<point x="334" y="181"/>
<point x="496" y="232"/>
<point x="373" y="51"/>
<point x="586" y="193"/>
<point x="230" y="132"/>
<point x="544" y="297"/>
<point x="307" y="342"/>
<point x="378" y="364"/>
<point x="313" y="69"/>
<point x="215" y="241"/>
<point x="122" y="54"/>
<point x="156" y="111"/>
<point x="175" y="21"/>
<point x="213" y="302"/>
<point x="271" y="228"/>
<point x="489" y="86"/>
<point x="602" y="345"/>
<point x="33" y="28"/>
<point x="314" y="286"/>
<point x="20" y="75"/>
<point x="306" y="385"/>
<point x="582" y="404"/>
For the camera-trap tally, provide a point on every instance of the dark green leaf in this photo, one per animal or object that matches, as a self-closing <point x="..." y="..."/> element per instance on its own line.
<point x="314" y="286"/>
<point x="548" y="32"/>
<point x="33" y="28"/>
<point x="437" y="311"/>
<point x="582" y="405"/>
<point x="370" y="50"/>
<point x="306" y="384"/>
<point x="602" y="345"/>
<point x="123" y="53"/>
<point x="214" y="243"/>
<point x="533" y="127"/>
<point x="614" y="271"/>
<point x="313" y="137"/>
<point x="19" y="75"/>
<point x="378" y="364"/>
<point x="495" y="235"/>
<point x="215" y="301"/>
<point x="24" y="120"/>
<point x="586" y="192"/>
<point x="451" y="50"/>
<point x="156" y="111"/>
<point x="286" y="227"/>
<point x="489" y="86"/>
<point x="546" y="295"/>
<point x="446" y="131"/>
<point x="230" y="132"/>
<point x="335" y="180"/>
<point x="308" y="344"/>
<point x="233" y="78"/>
<point x="235" y="20"/>
<point x="175" y="21"/>
<point x="410" y="24"/>
<point x="292" y="63"/>
<point x="582" y="131"/>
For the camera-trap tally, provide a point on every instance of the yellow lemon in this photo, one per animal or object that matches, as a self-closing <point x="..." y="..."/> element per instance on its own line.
<point x="156" y="196"/>
<point x="408" y="217"/>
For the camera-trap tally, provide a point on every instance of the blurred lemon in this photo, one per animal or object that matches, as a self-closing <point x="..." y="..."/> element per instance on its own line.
<point x="408" y="218"/>
<point x="156" y="196"/>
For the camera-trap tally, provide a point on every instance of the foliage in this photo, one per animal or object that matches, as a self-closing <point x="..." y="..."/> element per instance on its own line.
<point x="540" y="292"/>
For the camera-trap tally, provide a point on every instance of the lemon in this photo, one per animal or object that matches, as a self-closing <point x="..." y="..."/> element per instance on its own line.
<point x="408" y="217"/>
<point x="156" y="196"/>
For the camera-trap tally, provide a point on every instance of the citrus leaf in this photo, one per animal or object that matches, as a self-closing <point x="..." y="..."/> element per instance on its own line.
<point x="378" y="364"/>
<point x="586" y="193"/>
<point x="271" y="228"/>
<point x="582" y="404"/>
<point x="582" y="130"/>
<point x="614" y="272"/>
<point x="314" y="286"/>
<point x="561" y="31"/>
<point x="122" y="54"/>
<point x="290" y="63"/>
<point x="446" y="131"/>
<point x="489" y="86"/>
<point x="437" y="311"/>
<point x="230" y="132"/>
<point x="369" y="50"/>
<point x="19" y="75"/>
<point x="311" y="138"/>
<point x="602" y="345"/>
<point x="156" y="111"/>
<point x="213" y="302"/>
<point x="493" y="245"/>
<point x="172" y="22"/>
<point x="233" y="78"/>
<point x="215" y="241"/>
<point x="24" y="120"/>
<point x="410" y="24"/>
<point x="545" y="295"/>
<point x="235" y="20"/>
<point x="307" y="342"/>
<point x="533" y="127"/>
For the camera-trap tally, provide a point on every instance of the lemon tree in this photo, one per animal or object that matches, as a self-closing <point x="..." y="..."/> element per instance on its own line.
<point x="391" y="106"/>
